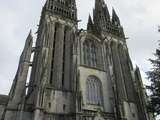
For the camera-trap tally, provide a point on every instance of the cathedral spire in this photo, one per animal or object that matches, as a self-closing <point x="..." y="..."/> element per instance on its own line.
<point x="90" y="24"/>
<point x="17" y="91"/>
<point x="101" y="12"/>
<point x="115" y="18"/>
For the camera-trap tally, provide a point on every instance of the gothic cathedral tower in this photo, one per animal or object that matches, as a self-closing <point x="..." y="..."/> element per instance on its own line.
<point x="76" y="74"/>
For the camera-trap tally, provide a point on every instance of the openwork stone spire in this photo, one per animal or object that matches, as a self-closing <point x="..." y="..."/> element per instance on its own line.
<point x="101" y="13"/>
<point x="102" y="21"/>
<point x="63" y="8"/>
<point x="90" y="24"/>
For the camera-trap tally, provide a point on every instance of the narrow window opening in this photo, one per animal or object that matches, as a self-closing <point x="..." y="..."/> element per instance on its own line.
<point x="63" y="82"/>
<point x="53" y="51"/>
<point x="51" y="76"/>
<point x="64" y="107"/>
<point x="49" y="105"/>
<point x="51" y="7"/>
<point x="133" y="114"/>
<point x="64" y="49"/>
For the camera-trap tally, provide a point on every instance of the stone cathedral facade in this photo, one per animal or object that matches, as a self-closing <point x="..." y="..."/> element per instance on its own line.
<point x="76" y="74"/>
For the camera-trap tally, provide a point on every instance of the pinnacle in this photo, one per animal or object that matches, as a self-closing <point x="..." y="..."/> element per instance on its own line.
<point x="101" y="10"/>
<point x="90" y="23"/>
<point x="115" y="18"/>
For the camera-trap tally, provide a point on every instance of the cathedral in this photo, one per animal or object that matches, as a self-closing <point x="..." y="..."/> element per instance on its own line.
<point x="76" y="74"/>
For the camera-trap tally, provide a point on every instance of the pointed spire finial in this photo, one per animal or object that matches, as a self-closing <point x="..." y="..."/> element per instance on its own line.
<point x="90" y="23"/>
<point x="30" y="32"/>
<point x="101" y="13"/>
<point x="137" y="67"/>
<point x="115" y="18"/>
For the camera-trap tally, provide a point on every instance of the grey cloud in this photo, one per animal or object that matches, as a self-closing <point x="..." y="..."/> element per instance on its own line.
<point x="139" y="19"/>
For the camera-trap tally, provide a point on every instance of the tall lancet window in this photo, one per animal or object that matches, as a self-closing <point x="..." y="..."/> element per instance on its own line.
<point x="93" y="55"/>
<point x="94" y="90"/>
<point x="86" y="52"/>
<point x="90" y="51"/>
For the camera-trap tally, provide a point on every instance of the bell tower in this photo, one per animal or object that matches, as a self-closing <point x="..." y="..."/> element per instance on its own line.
<point x="52" y="86"/>
<point x="62" y="8"/>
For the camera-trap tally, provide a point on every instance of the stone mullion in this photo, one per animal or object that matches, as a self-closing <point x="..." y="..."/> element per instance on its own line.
<point x="89" y="55"/>
<point x="104" y="57"/>
<point x="91" y="88"/>
<point x="89" y="91"/>
<point x="98" y="57"/>
<point x="101" y="57"/>
<point x="94" y="56"/>
<point x="83" y="56"/>
<point x="58" y="59"/>
<point x="94" y="92"/>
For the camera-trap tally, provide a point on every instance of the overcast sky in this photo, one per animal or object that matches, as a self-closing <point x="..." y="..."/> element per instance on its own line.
<point x="139" y="18"/>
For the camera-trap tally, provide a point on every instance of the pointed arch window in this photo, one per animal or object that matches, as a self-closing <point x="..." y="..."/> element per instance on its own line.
<point x="90" y="51"/>
<point x="93" y="55"/>
<point x="94" y="90"/>
<point x="86" y="52"/>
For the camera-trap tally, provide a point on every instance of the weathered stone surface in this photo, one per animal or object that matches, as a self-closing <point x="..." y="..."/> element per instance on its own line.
<point x="76" y="74"/>
<point x="3" y="103"/>
<point x="4" y="99"/>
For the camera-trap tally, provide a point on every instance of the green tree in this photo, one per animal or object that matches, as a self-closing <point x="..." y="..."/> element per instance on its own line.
<point x="154" y="88"/>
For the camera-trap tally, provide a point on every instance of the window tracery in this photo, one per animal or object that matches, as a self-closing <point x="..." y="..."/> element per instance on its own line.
<point x="90" y="53"/>
<point x="94" y="90"/>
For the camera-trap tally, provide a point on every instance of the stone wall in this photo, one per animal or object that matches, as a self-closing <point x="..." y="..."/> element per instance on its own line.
<point x="2" y="107"/>
<point x="3" y="103"/>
